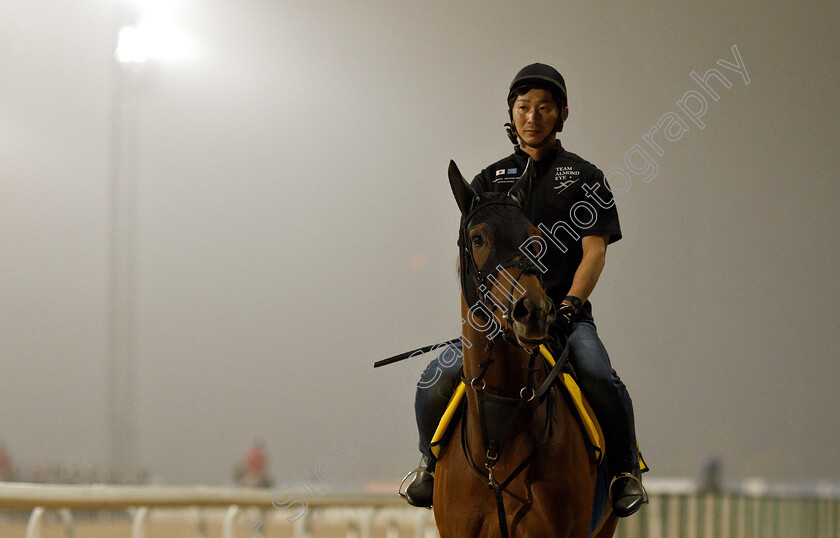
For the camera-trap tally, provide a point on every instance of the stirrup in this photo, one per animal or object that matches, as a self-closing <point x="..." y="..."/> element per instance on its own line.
<point x="632" y="508"/>
<point x="620" y="475"/>
<point x="403" y="489"/>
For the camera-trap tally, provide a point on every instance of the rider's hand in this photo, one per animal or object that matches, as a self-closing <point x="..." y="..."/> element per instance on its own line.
<point x="566" y="316"/>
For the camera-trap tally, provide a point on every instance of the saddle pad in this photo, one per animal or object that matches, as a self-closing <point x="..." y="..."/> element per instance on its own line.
<point x="586" y="417"/>
<point x="446" y="419"/>
<point x="590" y="427"/>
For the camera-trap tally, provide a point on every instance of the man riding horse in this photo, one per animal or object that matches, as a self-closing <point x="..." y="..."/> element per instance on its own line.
<point x="572" y="205"/>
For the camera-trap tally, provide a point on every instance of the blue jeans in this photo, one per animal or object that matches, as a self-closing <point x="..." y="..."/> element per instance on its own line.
<point x="435" y="387"/>
<point x="599" y="382"/>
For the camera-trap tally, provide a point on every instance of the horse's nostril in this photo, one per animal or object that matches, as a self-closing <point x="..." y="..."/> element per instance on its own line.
<point x="522" y="309"/>
<point x="550" y="313"/>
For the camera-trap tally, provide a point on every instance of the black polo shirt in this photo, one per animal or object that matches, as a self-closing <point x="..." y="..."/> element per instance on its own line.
<point x="569" y="199"/>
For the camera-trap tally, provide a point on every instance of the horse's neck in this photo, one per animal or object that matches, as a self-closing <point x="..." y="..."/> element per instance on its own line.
<point x="506" y="376"/>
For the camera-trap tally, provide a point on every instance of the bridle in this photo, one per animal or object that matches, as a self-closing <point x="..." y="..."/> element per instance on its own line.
<point x="475" y="280"/>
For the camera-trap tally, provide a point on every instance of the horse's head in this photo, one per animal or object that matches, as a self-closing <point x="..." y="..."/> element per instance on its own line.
<point x="497" y="279"/>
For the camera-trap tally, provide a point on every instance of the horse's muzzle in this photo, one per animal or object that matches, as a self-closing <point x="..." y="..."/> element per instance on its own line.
<point x="531" y="319"/>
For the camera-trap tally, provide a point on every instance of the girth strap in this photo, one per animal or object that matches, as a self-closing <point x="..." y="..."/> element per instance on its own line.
<point x="500" y="510"/>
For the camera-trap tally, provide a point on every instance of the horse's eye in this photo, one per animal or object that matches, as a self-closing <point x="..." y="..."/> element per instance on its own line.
<point x="477" y="240"/>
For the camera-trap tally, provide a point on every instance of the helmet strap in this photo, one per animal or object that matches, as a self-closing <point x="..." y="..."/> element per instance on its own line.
<point x="511" y="134"/>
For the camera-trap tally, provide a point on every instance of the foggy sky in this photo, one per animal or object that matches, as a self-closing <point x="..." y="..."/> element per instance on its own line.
<point x="292" y="167"/>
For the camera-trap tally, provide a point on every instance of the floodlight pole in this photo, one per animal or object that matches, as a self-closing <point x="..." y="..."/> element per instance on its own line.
<point x="122" y="282"/>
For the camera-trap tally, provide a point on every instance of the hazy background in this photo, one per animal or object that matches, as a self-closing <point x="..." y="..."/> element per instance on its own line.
<point x="294" y="224"/>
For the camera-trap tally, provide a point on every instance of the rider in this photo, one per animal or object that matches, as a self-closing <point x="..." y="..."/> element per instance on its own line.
<point x="571" y="203"/>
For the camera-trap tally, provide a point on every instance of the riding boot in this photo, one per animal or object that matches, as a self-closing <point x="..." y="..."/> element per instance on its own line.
<point x="420" y="490"/>
<point x="627" y="493"/>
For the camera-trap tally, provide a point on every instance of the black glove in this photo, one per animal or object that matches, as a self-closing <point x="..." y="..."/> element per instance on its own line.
<point x="566" y="317"/>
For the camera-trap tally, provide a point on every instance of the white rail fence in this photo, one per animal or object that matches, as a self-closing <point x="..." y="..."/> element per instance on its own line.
<point x="672" y="513"/>
<point x="734" y="515"/>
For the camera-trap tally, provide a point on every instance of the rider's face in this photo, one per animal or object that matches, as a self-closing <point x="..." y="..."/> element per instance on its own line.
<point x="534" y="115"/>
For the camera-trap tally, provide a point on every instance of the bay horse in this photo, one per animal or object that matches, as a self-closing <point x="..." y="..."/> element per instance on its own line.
<point x="516" y="464"/>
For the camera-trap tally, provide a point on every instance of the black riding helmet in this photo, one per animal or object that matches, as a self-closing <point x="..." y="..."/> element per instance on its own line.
<point x="540" y="76"/>
<point x="537" y="76"/>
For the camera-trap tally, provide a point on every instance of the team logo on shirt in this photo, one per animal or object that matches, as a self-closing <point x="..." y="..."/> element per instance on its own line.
<point x="564" y="177"/>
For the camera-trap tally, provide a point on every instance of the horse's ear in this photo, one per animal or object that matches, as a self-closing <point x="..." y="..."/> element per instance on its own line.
<point x="464" y="194"/>
<point x="522" y="188"/>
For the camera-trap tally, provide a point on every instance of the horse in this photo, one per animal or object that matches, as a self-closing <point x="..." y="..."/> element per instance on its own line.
<point x="516" y="464"/>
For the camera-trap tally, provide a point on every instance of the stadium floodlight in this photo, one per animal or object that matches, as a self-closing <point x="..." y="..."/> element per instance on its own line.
<point x="152" y="38"/>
